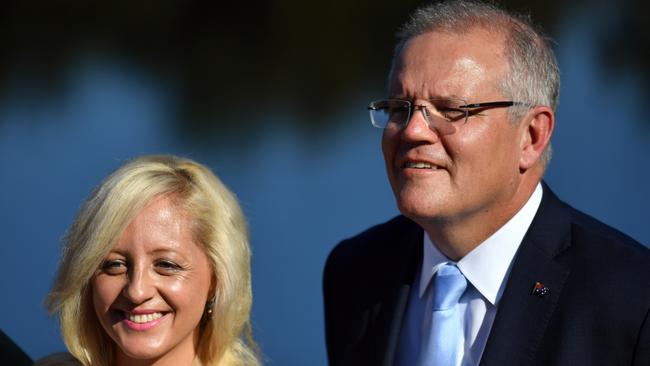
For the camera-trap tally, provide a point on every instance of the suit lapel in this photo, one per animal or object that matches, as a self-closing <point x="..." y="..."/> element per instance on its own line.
<point x="522" y="316"/>
<point x="390" y="324"/>
<point x="392" y="306"/>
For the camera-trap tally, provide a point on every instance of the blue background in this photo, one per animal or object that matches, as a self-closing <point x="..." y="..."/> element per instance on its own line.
<point x="303" y="189"/>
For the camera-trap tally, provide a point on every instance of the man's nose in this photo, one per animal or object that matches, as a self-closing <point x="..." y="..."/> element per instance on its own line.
<point x="417" y="127"/>
<point x="424" y="125"/>
<point x="139" y="287"/>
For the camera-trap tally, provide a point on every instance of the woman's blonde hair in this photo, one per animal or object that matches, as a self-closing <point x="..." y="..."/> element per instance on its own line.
<point x="219" y="226"/>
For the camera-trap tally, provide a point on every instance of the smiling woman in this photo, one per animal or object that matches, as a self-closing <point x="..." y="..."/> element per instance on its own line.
<point x="156" y="269"/>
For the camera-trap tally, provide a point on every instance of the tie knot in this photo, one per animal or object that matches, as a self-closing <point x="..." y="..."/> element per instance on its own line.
<point x="448" y="286"/>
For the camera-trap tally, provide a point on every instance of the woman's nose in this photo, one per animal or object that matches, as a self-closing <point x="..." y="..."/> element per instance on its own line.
<point x="139" y="287"/>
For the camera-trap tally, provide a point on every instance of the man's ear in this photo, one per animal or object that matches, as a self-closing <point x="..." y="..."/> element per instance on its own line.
<point x="536" y="131"/>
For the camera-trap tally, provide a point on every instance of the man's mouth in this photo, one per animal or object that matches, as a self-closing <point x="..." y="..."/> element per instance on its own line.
<point x="420" y="165"/>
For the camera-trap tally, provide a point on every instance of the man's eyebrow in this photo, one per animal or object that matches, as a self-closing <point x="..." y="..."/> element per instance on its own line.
<point x="434" y="97"/>
<point x="447" y="97"/>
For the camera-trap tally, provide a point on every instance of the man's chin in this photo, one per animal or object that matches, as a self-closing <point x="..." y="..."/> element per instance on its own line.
<point x="417" y="211"/>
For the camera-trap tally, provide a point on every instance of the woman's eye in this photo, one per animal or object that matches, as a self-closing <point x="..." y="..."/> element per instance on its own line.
<point x="167" y="266"/>
<point x="114" y="266"/>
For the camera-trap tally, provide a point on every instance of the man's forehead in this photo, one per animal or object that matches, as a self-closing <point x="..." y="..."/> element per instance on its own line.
<point x="476" y="42"/>
<point x="448" y="62"/>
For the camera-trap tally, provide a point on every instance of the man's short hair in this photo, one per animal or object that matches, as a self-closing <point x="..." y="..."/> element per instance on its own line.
<point x="533" y="77"/>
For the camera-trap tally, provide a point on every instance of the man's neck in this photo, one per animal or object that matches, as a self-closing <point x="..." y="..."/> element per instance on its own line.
<point x="458" y="236"/>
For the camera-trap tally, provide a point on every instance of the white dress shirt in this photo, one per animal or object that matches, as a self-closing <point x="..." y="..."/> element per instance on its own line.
<point x="486" y="268"/>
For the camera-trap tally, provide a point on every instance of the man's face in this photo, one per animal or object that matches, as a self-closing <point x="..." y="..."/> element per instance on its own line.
<point x="475" y="168"/>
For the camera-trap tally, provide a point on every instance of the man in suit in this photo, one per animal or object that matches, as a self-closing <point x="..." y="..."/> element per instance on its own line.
<point x="472" y="97"/>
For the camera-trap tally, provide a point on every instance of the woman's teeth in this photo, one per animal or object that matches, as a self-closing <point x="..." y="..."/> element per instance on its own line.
<point x="144" y="318"/>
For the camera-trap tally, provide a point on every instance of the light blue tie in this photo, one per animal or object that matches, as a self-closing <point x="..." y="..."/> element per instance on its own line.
<point x="446" y="328"/>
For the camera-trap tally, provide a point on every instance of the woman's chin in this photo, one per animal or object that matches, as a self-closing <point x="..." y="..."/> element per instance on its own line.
<point x="140" y="348"/>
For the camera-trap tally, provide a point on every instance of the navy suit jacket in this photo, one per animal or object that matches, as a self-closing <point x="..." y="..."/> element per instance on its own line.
<point x="595" y="313"/>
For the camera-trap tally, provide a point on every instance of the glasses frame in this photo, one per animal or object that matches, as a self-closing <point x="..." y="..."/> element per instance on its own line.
<point x="412" y="107"/>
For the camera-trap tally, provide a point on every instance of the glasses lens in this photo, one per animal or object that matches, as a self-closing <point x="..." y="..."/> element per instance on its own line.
<point x="448" y="109"/>
<point x="384" y="112"/>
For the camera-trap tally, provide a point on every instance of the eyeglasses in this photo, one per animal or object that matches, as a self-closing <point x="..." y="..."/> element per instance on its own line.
<point x="441" y="114"/>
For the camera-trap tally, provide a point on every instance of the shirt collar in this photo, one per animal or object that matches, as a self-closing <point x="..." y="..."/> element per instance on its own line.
<point x="487" y="266"/>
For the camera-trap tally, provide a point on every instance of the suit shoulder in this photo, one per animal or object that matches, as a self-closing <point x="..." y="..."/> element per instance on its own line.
<point x="376" y="239"/>
<point x="388" y="245"/>
<point x="592" y="235"/>
<point x="605" y="237"/>
<point x="606" y="253"/>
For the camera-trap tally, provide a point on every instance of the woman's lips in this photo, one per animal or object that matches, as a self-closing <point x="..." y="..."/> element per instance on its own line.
<point x="141" y="322"/>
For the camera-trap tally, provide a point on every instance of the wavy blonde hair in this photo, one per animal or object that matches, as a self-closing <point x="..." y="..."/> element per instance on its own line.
<point x="220" y="227"/>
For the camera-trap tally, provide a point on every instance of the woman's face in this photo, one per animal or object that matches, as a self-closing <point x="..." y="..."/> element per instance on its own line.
<point x="151" y="291"/>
